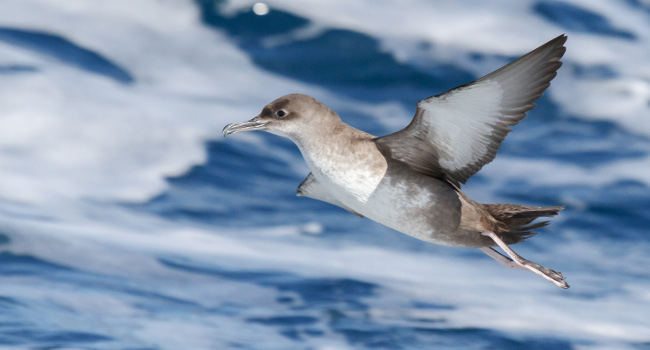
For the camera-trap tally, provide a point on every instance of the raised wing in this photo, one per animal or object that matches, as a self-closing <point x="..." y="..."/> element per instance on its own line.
<point x="310" y="187"/>
<point x="455" y="134"/>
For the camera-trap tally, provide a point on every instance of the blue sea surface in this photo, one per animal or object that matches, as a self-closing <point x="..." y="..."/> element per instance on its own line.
<point x="128" y="222"/>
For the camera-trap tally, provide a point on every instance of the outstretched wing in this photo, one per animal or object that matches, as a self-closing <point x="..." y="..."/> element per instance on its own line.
<point x="453" y="135"/>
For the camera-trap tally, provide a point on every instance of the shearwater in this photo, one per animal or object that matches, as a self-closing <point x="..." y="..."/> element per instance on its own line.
<point x="410" y="180"/>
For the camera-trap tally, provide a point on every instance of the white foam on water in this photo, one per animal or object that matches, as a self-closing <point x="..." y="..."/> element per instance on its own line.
<point x="95" y="138"/>
<point x="505" y="169"/>
<point x="507" y="28"/>
<point x="67" y="136"/>
<point x="533" y="307"/>
<point x="98" y="139"/>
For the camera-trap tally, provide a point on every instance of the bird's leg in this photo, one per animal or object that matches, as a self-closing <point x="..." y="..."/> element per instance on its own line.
<point x="502" y="259"/>
<point x="548" y="274"/>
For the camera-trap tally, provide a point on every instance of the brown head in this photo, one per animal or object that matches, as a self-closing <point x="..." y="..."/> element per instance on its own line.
<point x="292" y="116"/>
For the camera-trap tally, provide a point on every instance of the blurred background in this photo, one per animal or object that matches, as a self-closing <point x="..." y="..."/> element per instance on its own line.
<point x="127" y="221"/>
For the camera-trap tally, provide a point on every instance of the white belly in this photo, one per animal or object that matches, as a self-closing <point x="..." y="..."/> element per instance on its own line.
<point x="347" y="182"/>
<point x="422" y="210"/>
<point x="402" y="208"/>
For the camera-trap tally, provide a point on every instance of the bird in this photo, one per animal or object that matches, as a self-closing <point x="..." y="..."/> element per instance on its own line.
<point x="410" y="180"/>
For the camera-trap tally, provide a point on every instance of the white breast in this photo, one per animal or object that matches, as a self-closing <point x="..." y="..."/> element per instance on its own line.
<point x="352" y="175"/>
<point x="345" y="179"/>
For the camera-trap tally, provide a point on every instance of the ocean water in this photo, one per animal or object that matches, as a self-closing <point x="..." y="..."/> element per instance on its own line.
<point x="128" y="222"/>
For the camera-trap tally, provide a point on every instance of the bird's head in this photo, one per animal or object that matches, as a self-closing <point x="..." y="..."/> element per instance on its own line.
<point x="289" y="116"/>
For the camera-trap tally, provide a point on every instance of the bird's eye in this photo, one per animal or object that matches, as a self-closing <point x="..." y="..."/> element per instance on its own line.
<point x="281" y="113"/>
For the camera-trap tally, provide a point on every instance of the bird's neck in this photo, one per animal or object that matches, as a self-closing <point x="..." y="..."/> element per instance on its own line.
<point x="332" y="133"/>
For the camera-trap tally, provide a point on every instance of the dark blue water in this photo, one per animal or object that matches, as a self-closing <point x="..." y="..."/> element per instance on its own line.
<point x="223" y="255"/>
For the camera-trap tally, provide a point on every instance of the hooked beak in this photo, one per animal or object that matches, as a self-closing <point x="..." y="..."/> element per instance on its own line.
<point x="253" y="124"/>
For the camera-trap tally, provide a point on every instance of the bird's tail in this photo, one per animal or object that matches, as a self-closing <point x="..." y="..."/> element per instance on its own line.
<point x="515" y="222"/>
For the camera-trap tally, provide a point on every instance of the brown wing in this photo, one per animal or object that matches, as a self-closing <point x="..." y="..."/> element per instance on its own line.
<point x="453" y="135"/>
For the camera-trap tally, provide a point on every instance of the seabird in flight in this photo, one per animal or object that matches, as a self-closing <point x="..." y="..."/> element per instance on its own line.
<point x="410" y="180"/>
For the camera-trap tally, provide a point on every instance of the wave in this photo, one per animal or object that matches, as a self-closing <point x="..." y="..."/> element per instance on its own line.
<point x="126" y="221"/>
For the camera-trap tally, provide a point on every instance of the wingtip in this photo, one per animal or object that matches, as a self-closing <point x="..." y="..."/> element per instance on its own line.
<point x="556" y="47"/>
<point x="560" y="39"/>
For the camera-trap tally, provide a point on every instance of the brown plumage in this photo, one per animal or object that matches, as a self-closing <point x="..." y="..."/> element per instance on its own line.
<point x="514" y="220"/>
<point x="410" y="180"/>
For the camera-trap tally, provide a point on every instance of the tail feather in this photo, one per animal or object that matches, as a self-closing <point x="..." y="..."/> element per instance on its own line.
<point x="515" y="221"/>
